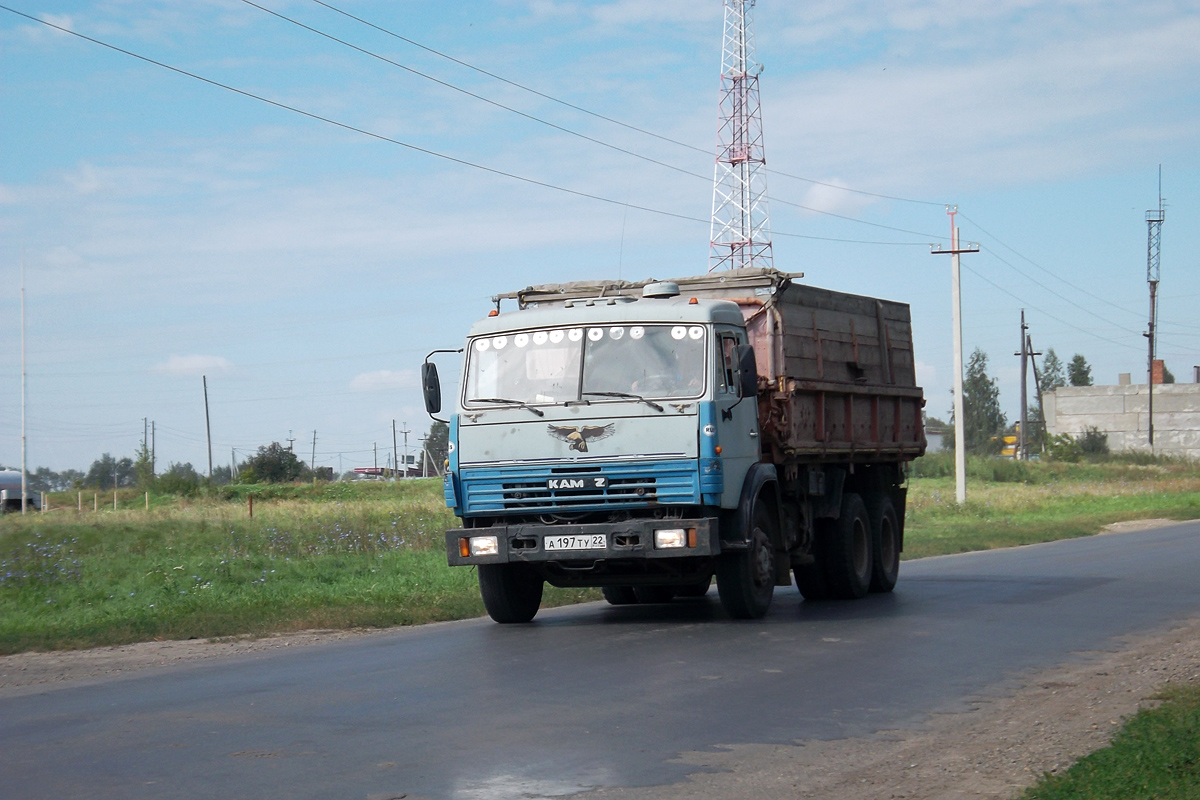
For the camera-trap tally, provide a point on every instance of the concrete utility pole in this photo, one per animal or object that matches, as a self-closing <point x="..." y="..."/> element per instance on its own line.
<point x="313" y="463"/>
<point x="395" y="452"/>
<point x="207" y="426"/>
<point x="406" y="432"/>
<point x="24" y="465"/>
<point x="960" y="449"/>
<point x="1154" y="221"/>
<point x="153" y="448"/>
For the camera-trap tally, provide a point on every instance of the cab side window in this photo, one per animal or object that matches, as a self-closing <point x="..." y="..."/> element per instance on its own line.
<point x="727" y="353"/>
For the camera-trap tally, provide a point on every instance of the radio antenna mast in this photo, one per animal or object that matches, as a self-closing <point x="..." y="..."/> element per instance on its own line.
<point x="741" y="230"/>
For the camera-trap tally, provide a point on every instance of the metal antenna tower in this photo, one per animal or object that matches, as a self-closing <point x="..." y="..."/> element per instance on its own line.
<point x="1154" y="221"/>
<point x="741" y="230"/>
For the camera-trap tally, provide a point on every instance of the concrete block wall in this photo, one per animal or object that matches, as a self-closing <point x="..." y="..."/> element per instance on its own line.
<point x="1122" y="412"/>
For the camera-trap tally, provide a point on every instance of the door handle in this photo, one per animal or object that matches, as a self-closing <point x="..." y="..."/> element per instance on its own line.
<point x="753" y="434"/>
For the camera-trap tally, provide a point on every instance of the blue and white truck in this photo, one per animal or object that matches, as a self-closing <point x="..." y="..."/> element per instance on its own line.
<point x="644" y="437"/>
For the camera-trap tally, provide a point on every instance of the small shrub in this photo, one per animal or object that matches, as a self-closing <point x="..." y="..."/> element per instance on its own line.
<point x="1093" y="442"/>
<point x="1063" y="447"/>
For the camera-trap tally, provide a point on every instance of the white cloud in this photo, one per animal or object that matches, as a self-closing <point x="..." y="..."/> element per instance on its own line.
<point x="381" y="380"/>
<point x="193" y="365"/>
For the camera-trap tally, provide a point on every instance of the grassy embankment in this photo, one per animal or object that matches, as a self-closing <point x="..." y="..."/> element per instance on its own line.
<point x="1156" y="756"/>
<point x="347" y="555"/>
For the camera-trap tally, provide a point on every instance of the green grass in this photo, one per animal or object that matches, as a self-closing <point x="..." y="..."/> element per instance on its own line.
<point x="372" y="554"/>
<point x="1013" y="503"/>
<point x="333" y="556"/>
<point x="1156" y="756"/>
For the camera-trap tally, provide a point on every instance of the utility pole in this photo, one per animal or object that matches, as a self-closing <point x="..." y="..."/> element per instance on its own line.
<point x="424" y="456"/>
<point x="145" y="433"/>
<point x="1154" y="221"/>
<point x="960" y="447"/>
<point x="376" y="446"/>
<point x="207" y="426"/>
<point x="1025" y="353"/>
<point x="153" y="449"/>
<point x="313" y="463"/>
<point x="24" y="464"/>
<point x="741" y="228"/>
<point x="1037" y="385"/>
<point x="406" y="432"/>
<point x="395" y="453"/>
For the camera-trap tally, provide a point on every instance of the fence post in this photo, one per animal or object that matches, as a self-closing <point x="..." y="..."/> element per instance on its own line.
<point x="250" y="497"/>
<point x="147" y="501"/>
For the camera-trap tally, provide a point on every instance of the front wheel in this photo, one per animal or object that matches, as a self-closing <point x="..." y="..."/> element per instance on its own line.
<point x="511" y="592"/>
<point x="746" y="579"/>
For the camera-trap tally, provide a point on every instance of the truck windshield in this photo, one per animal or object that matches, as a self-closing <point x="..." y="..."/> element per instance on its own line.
<point x="556" y="365"/>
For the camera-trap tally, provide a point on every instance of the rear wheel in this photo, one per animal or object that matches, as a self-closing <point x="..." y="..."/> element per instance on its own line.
<point x="746" y="579"/>
<point x="846" y="551"/>
<point x="885" y="542"/>
<point x="619" y="595"/>
<point x="511" y="592"/>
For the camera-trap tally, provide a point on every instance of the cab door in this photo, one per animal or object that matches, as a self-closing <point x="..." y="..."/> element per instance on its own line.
<point x="737" y="416"/>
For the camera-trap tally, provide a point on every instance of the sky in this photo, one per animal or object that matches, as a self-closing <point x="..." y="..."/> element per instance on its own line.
<point x="308" y="221"/>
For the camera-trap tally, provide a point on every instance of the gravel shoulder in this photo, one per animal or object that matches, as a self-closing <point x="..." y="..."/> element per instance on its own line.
<point x="1000" y="745"/>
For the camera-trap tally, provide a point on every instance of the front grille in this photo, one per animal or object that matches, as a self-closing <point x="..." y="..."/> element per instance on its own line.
<point x="525" y="490"/>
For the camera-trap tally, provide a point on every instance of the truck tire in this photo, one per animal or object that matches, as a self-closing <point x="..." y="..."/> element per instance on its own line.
<point x="619" y="595"/>
<point x="511" y="592"/>
<point x="846" y="551"/>
<point x="654" y="594"/>
<point x="885" y="542"/>
<point x="746" y="578"/>
<point x="810" y="578"/>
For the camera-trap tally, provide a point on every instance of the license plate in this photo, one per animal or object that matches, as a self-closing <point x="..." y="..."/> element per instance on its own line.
<point x="595" y="541"/>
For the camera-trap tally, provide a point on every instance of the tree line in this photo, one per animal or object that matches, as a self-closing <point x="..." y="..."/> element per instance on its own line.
<point x="272" y="463"/>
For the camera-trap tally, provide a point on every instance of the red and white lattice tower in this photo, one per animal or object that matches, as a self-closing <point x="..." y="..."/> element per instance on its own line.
<point x="741" y="230"/>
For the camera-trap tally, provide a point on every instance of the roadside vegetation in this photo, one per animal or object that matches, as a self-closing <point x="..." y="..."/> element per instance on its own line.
<point x="362" y="554"/>
<point x="1156" y="756"/>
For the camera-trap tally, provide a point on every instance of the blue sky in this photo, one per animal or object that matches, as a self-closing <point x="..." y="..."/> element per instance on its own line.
<point x="171" y="229"/>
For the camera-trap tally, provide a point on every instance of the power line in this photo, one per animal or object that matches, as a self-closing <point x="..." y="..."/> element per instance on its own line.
<point x="541" y="121"/>
<point x="469" y="93"/>
<point x="407" y="145"/>
<point x="600" y="116"/>
<point x="1058" y="318"/>
<point x="1047" y="271"/>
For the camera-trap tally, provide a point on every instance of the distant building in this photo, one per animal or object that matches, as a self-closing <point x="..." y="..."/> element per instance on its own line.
<point x="10" y="492"/>
<point x="1122" y="412"/>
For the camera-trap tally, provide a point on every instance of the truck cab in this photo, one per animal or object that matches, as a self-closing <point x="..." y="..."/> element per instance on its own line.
<point x="598" y="442"/>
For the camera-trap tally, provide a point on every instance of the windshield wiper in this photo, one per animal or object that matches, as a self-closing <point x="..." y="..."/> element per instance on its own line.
<point x="517" y="403"/>
<point x="628" y="396"/>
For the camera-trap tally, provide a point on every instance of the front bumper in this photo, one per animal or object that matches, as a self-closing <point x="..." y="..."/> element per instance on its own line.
<point x="632" y="539"/>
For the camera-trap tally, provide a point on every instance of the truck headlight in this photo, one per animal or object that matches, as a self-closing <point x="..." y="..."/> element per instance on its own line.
<point x="666" y="538"/>
<point x="484" y="545"/>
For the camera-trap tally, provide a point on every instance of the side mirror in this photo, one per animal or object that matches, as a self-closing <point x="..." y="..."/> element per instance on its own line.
<point x="747" y="371"/>
<point x="431" y="387"/>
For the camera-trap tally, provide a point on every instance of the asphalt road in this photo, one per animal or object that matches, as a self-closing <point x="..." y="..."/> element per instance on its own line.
<point x="591" y="695"/>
